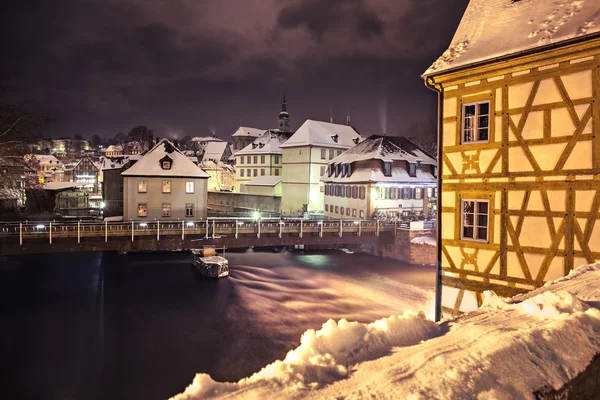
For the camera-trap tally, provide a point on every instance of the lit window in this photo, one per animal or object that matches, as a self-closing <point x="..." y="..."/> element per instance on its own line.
<point x="166" y="165"/>
<point x="166" y="209"/>
<point x="418" y="193"/>
<point x="189" y="186"/>
<point x="166" y="186"/>
<point x="406" y="193"/>
<point x="189" y="210"/>
<point x="354" y="212"/>
<point x="323" y="154"/>
<point x="474" y="221"/>
<point x="362" y="213"/>
<point x="475" y="122"/>
<point x="142" y="210"/>
<point x="429" y="192"/>
<point x="142" y="186"/>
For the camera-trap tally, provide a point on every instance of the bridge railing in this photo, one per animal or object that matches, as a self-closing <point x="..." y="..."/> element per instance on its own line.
<point x="211" y="227"/>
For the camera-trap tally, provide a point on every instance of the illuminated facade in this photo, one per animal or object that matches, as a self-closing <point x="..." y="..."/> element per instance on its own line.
<point x="520" y="142"/>
<point x="382" y="176"/>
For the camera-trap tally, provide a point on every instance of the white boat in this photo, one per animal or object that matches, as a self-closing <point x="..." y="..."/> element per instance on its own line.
<point x="209" y="264"/>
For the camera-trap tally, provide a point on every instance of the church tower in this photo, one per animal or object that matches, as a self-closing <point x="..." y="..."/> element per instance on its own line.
<point x="283" y="123"/>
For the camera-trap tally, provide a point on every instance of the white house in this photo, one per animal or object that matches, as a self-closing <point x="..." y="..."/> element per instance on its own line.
<point x="244" y="136"/>
<point x="217" y="151"/>
<point x="383" y="174"/>
<point x="305" y="158"/>
<point x="164" y="184"/>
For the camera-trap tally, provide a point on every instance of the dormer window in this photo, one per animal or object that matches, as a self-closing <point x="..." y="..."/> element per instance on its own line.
<point x="166" y="162"/>
<point x="344" y="169"/>
<point x="387" y="168"/>
<point x="412" y="170"/>
<point x="355" y="140"/>
<point x="335" y="138"/>
<point x="337" y="170"/>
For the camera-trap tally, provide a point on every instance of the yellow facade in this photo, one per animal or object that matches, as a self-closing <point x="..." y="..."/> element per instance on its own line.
<point x="538" y="172"/>
<point x="250" y="166"/>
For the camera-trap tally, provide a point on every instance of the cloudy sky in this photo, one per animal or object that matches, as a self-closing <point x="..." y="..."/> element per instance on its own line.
<point x="184" y="67"/>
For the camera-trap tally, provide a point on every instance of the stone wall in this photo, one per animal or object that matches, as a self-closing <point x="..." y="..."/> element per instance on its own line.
<point x="231" y="202"/>
<point x="404" y="250"/>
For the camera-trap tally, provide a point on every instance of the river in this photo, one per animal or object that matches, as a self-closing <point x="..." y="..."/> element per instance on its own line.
<point x="140" y="326"/>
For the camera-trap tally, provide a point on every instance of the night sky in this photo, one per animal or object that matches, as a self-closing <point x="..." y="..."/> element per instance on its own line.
<point x="188" y="67"/>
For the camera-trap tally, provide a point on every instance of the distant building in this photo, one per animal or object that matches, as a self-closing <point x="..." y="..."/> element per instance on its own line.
<point x="84" y="172"/>
<point x="244" y="136"/>
<point x="165" y="185"/>
<point x="383" y="175"/>
<point x="262" y="157"/>
<point x="221" y="175"/>
<point x="45" y="165"/>
<point x="133" y="149"/>
<point x="217" y="152"/>
<point x="112" y="183"/>
<point x="264" y="185"/>
<point x="305" y="158"/>
<point x="114" y="150"/>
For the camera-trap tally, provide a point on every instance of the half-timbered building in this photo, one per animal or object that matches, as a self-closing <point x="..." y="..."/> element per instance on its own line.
<point x="519" y="148"/>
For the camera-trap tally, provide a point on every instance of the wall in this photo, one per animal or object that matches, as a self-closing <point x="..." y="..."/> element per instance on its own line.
<point x="404" y="250"/>
<point x="154" y="198"/>
<point x="231" y="201"/>
<point x="270" y="166"/>
<point x="538" y="171"/>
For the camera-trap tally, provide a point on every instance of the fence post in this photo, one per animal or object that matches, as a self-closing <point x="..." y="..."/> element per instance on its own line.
<point x="395" y="227"/>
<point x="281" y="223"/>
<point x="79" y="231"/>
<point x="236" y="228"/>
<point x="182" y="230"/>
<point x="359" y="230"/>
<point x="206" y="234"/>
<point x="105" y="231"/>
<point x="213" y="235"/>
<point x="258" y="234"/>
<point x="50" y="232"/>
<point x="301" y="228"/>
<point x="21" y="233"/>
<point x="377" y="227"/>
<point x="158" y="230"/>
<point x="132" y="230"/>
<point x="321" y="229"/>
<point x="341" y="228"/>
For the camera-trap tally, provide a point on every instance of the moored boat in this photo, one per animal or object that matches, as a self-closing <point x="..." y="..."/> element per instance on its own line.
<point x="209" y="264"/>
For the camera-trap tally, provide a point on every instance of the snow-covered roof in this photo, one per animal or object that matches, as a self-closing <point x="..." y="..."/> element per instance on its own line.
<point x="212" y="165"/>
<point x="248" y="132"/>
<point x="498" y="28"/>
<point x="214" y="150"/>
<point x="269" y="143"/>
<point x="375" y="175"/>
<point x="264" y="181"/>
<point x="114" y="147"/>
<point x="181" y="166"/>
<point x="386" y="148"/>
<point x="60" y="185"/>
<point x="206" y="139"/>
<point x="113" y="163"/>
<point x="319" y="133"/>
<point x="46" y="159"/>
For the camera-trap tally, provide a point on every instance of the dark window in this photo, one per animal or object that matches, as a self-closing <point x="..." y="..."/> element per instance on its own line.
<point x="362" y="193"/>
<point x="412" y="169"/>
<point x="475" y="122"/>
<point x="323" y="154"/>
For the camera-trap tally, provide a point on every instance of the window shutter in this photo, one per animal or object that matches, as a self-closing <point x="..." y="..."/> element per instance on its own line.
<point x="413" y="193"/>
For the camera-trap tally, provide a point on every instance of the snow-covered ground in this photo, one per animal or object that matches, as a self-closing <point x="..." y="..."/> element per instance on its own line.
<point x="428" y="240"/>
<point x="506" y="349"/>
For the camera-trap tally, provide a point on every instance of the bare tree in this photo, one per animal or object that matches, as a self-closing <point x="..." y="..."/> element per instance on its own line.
<point x="423" y="134"/>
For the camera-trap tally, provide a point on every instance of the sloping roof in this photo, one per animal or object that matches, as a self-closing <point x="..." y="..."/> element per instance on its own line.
<point x="214" y="150"/>
<point x="399" y="175"/>
<point x="46" y="159"/>
<point x="114" y="147"/>
<point x="498" y="28"/>
<point x="269" y="143"/>
<point x="113" y="163"/>
<point x="319" y="133"/>
<point x="149" y="164"/>
<point x="386" y="148"/>
<point x="264" y="181"/>
<point x="206" y="139"/>
<point x="211" y="165"/>
<point x="60" y="185"/>
<point x="249" y="132"/>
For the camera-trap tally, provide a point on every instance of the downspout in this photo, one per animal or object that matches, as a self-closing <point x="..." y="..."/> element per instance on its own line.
<point x="429" y="83"/>
<point x="309" y="166"/>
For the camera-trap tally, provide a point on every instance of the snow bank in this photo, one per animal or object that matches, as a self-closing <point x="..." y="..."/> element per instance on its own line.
<point x="508" y="348"/>
<point x="428" y="240"/>
<point x="326" y="355"/>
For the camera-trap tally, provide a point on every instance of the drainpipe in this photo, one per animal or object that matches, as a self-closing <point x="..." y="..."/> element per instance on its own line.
<point x="309" y="167"/>
<point x="430" y="84"/>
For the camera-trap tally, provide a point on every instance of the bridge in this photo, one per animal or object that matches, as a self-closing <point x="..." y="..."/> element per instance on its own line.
<point x="49" y="237"/>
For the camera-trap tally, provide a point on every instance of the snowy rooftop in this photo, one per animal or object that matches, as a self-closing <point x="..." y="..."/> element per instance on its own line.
<point x="386" y="148"/>
<point x="212" y="165"/>
<point x="46" y="159"/>
<point x="498" y="28"/>
<point x="250" y="132"/>
<point x="149" y="164"/>
<point x="319" y="133"/>
<point x="214" y="150"/>
<point x="113" y="163"/>
<point x="114" y="147"/>
<point x="268" y="143"/>
<point x="60" y="185"/>
<point x="206" y="139"/>
<point x="507" y="349"/>
<point x="264" y="181"/>
<point x="399" y="176"/>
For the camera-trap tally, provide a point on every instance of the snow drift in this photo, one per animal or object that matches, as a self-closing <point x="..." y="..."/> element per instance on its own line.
<point x="507" y="349"/>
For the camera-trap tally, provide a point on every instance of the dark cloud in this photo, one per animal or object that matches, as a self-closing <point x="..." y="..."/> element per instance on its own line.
<point x="321" y="16"/>
<point x="179" y="66"/>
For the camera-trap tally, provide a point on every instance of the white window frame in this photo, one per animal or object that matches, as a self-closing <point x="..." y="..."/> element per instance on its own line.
<point x="189" y="184"/>
<point x="163" y="186"/>
<point x="163" y="208"/>
<point x="475" y="225"/>
<point x="476" y="126"/>
<point x="166" y="164"/>
<point x="188" y="207"/>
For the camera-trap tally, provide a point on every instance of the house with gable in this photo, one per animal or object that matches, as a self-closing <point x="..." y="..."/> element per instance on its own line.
<point x="519" y="148"/>
<point x="165" y="185"/>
